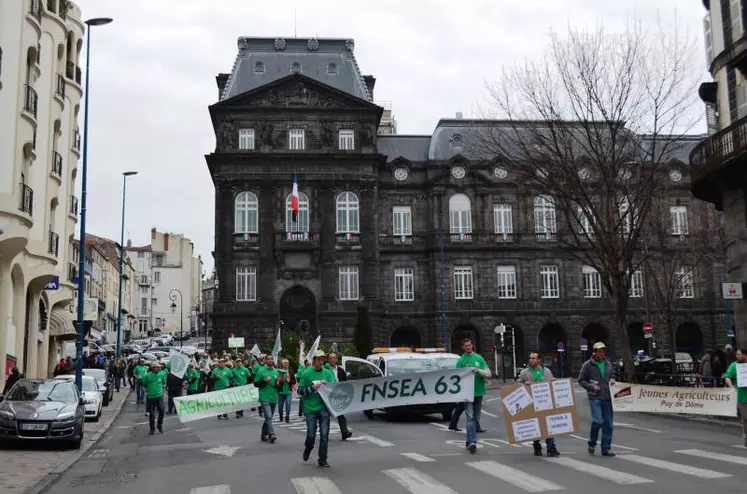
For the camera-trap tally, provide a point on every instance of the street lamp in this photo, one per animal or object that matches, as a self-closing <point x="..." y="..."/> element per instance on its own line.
<point x="98" y="21"/>
<point x="172" y="296"/>
<point x="121" y="261"/>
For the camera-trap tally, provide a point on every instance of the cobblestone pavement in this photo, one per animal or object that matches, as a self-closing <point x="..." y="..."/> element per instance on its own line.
<point x="23" y="466"/>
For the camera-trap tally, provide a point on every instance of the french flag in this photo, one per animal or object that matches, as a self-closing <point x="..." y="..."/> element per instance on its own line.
<point x="294" y="200"/>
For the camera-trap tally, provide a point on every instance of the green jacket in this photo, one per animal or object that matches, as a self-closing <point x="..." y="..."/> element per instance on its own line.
<point x="222" y="377"/>
<point x="193" y="376"/>
<point x="154" y="383"/>
<point x="268" y="391"/>
<point x="241" y="375"/>
<point x="312" y="402"/>
<point x="475" y="360"/>
<point x="139" y="371"/>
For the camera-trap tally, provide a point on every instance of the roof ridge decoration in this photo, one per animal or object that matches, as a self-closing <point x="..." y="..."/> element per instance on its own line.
<point x="350" y="45"/>
<point x="243" y="51"/>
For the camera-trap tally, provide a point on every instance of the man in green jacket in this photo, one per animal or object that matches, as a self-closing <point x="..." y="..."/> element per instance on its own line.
<point x="241" y="377"/>
<point x="193" y="376"/>
<point x="314" y="409"/>
<point x="153" y="382"/>
<point x="138" y="372"/>
<point x="732" y="381"/>
<point x="221" y="377"/>
<point x="267" y="381"/>
<point x="474" y="361"/>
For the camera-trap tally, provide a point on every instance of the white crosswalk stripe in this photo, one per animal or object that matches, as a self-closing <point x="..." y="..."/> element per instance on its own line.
<point x="699" y="453"/>
<point x="520" y="479"/>
<point x="614" y="446"/>
<point x="213" y="489"/>
<point x="599" y="471"/>
<point x="418" y="457"/>
<point x="675" y="467"/>
<point x="417" y="482"/>
<point x="315" y="485"/>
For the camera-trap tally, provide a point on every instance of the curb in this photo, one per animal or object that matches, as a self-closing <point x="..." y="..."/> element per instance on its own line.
<point x="52" y="477"/>
<point x="726" y="422"/>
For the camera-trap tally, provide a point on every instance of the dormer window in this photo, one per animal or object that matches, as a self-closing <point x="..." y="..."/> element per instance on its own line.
<point x="296" y="68"/>
<point x="332" y="68"/>
<point x="296" y="139"/>
<point x="246" y="138"/>
<point x="259" y="68"/>
<point x="347" y="140"/>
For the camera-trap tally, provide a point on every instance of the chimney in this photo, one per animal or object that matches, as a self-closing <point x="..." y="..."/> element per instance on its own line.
<point x="221" y="80"/>
<point x="370" y="83"/>
<point x="153" y="233"/>
<point x="165" y="241"/>
<point x="459" y="115"/>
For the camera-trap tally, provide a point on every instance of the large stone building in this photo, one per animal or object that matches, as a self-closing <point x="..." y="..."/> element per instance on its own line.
<point x="40" y="93"/>
<point x="718" y="162"/>
<point x="390" y="219"/>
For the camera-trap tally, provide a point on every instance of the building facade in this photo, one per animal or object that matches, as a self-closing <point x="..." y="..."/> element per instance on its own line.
<point x="441" y="243"/>
<point x="40" y="93"/>
<point x="718" y="163"/>
<point x="168" y="279"/>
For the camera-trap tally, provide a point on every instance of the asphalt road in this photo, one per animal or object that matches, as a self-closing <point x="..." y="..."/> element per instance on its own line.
<point x="417" y="455"/>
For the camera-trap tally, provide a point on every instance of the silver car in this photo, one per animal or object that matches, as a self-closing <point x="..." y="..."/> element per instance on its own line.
<point x="42" y="410"/>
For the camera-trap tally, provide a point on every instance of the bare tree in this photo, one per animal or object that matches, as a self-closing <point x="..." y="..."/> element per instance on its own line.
<point x="588" y="130"/>
<point x="681" y="247"/>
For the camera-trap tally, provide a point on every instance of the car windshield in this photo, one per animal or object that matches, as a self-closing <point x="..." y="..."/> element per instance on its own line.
<point x="446" y="361"/>
<point x="95" y="373"/>
<point x="62" y="391"/>
<point x="407" y="366"/>
<point x="89" y="385"/>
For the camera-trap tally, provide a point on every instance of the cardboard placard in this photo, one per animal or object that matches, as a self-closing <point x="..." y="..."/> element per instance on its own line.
<point x="536" y="411"/>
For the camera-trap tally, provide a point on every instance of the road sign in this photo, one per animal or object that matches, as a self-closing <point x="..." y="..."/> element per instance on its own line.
<point x="54" y="284"/>
<point x="561" y="346"/>
<point x="500" y="329"/>
<point x="731" y="291"/>
<point x="584" y="344"/>
<point x="648" y="330"/>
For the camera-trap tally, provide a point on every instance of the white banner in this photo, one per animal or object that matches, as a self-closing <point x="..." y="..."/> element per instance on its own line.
<point x="664" y="399"/>
<point x="210" y="405"/>
<point x="178" y="363"/>
<point x="443" y="386"/>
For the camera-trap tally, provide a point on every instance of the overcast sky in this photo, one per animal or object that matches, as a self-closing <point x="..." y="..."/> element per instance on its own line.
<point x="153" y="77"/>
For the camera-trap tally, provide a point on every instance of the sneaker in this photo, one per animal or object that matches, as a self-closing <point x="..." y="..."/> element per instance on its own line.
<point x="472" y="448"/>
<point x="287" y="420"/>
<point x="323" y="464"/>
<point x="306" y="453"/>
<point x="455" y="429"/>
<point x="273" y="438"/>
<point x="160" y="429"/>
<point x="265" y="439"/>
<point x="482" y="430"/>
<point x="151" y="433"/>
<point x="347" y="435"/>
<point x="608" y="454"/>
<point x="553" y="452"/>
<point x="538" y="450"/>
<point x="590" y="450"/>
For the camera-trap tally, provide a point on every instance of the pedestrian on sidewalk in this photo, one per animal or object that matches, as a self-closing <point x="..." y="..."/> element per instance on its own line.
<point x="340" y="376"/>
<point x="595" y="377"/>
<point x="316" y="413"/>
<point x="268" y="382"/>
<point x="732" y="381"/>
<point x="535" y="372"/>
<point x="285" y="393"/>
<point x="153" y="382"/>
<point x="474" y="361"/>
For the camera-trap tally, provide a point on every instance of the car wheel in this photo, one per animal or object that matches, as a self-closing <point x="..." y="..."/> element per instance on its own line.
<point x="106" y="400"/>
<point x="76" y="443"/>
<point x="97" y="417"/>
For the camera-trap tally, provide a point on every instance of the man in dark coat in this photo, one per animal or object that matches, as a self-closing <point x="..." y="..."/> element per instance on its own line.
<point x="341" y="376"/>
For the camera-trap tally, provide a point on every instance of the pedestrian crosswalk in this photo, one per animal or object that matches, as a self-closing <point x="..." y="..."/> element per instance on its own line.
<point x="422" y="474"/>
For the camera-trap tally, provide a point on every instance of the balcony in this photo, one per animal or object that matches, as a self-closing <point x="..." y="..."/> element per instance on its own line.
<point x="717" y="161"/>
<point x="546" y="237"/>
<point x="734" y="55"/>
<point x="73" y="73"/>
<point x="296" y="240"/>
<point x="73" y="206"/>
<point x="30" y="100"/>
<point x="72" y="273"/>
<point x="401" y="243"/>
<point x="461" y="238"/>
<point x="246" y="240"/>
<point x="143" y="280"/>
<point x="54" y="244"/>
<point x="348" y="239"/>
<point x="56" y="164"/>
<point x="60" y="89"/>
<point x="27" y="200"/>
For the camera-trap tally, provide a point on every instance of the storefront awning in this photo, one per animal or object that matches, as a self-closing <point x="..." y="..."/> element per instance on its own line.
<point x="60" y="323"/>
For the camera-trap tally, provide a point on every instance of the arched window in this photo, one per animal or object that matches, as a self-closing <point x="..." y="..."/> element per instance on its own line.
<point x="246" y="213"/>
<point x="347" y="209"/>
<point x="544" y="215"/>
<point x="301" y="225"/>
<point x="460" y="214"/>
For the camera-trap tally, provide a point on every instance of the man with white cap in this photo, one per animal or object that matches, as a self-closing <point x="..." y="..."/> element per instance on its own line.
<point x="314" y="377"/>
<point x="595" y="377"/>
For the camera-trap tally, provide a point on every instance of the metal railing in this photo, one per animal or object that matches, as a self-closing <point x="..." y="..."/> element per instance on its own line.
<point x="245" y="239"/>
<point x="57" y="163"/>
<point x="722" y="146"/>
<point x="61" y="84"/>
<point x="348" y="238"/>
<point x="74" y="205"/>
<point x="27" y="199"/>
<point x="54" y="243"/>
<point x="31" y="100"/>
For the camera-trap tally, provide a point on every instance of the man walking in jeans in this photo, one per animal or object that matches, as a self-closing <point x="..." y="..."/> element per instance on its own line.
<point x="312" y="379"/>
<point x="595" y="377"/>
<point x="153" y="382"/>
<point x="471" y="360"/>
<point x="732" y="381"/>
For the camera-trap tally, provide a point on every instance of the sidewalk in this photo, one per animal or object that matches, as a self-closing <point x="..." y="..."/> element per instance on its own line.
<point x="23" y="467"/>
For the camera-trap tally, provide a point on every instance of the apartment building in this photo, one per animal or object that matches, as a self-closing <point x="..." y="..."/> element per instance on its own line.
<point x="40" y="93"/>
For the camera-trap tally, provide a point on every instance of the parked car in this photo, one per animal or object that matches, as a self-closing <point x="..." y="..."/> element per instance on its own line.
<point x="42" y="410"/>
<point x="92" y="395"/>
<point x="105" y="382"/>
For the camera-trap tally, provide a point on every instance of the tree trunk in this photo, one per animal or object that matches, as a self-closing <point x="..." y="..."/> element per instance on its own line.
<point x="621" y="313"/>
<point x="673" y="344"/>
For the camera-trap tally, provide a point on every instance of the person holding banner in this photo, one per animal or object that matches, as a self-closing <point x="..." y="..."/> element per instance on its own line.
<point x="240" y="378"/>
<point x="267" y="381"/>
<point x="470" y="359"/>
<point x="733" y="380"/>
<point x="535" y="373"/>
<point x="314" y="409"/>
<point x="285" y="393"/>
<point x="340" y="376"/>
<point x="221" y="377"/>
<point x="595" y="377"/>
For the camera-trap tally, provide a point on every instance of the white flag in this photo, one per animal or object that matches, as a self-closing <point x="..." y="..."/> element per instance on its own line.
<point x="301" y="356"/>
<point x="255" y="351"/>
<point x="314" y="348"/>
<point x="278" y="346"/>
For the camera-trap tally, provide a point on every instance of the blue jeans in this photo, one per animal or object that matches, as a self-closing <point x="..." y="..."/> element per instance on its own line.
<point x="139" y="391"/>
<point x="601" y="418"/>
<point x="312" y="419"/>
<point x="284" y="405"/>
<point x="268" y="410"/>
<point x="473" y="410"/>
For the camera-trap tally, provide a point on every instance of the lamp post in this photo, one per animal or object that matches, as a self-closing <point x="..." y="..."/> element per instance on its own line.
<point x="98" y="21"/>
<point x="173" y="297"/>
<point x="121" y="261"/>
